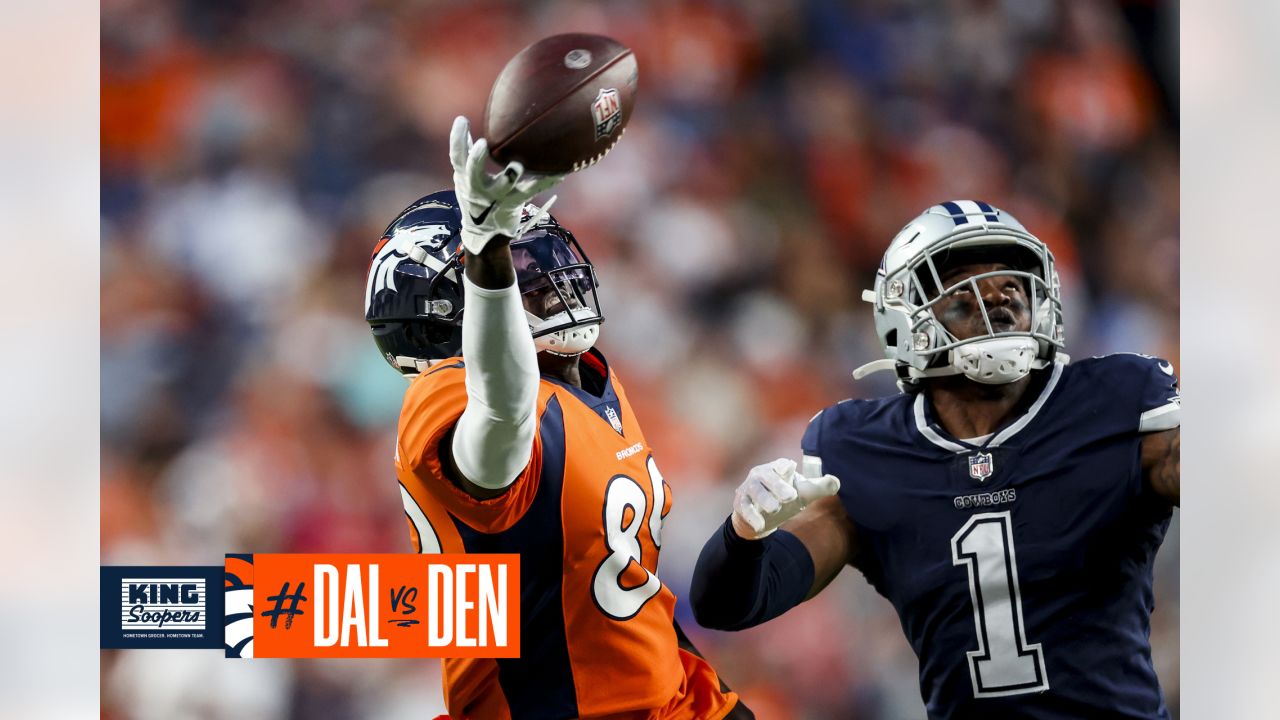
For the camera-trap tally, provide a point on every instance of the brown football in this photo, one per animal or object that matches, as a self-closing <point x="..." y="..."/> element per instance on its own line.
<point x="561" y="103"/>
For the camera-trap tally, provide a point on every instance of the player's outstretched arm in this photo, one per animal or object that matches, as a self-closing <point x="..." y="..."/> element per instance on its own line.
<point x="829" y="536"/>
<point x="751" y="570"/>
<point x="493" y="439"/>
<point x="1162" y="463"/>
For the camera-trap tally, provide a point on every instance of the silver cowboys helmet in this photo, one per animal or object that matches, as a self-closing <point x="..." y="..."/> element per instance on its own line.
<point x="909" y="286"/>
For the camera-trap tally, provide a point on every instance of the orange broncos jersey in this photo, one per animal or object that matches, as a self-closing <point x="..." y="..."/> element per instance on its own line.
<point x="597" y="628"/>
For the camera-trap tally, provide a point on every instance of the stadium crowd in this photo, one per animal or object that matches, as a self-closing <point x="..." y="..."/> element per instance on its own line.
<point x="252" y="153"/>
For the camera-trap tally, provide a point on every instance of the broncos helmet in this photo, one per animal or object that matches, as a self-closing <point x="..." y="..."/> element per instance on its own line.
<point x="909" y="285"/>
<point x="414" y="297"/>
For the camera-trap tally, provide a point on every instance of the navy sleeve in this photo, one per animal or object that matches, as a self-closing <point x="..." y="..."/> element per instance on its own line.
<point x="809" y="444"/>
<point x="810" y="447"/>
<point x="740" y="583"/>
<point x="1160" y="400"/>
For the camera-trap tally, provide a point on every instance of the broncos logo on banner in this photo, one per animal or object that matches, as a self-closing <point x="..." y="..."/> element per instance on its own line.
<point x="238" y="617"/>
<point x="395" y="249"/>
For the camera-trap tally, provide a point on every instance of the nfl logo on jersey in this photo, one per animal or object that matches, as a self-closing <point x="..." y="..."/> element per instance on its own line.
<point x="613" y="419"/>
<point x="981" y="466"/>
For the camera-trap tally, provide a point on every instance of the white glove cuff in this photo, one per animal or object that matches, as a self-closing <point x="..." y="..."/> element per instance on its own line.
<point x="474" y="240"/>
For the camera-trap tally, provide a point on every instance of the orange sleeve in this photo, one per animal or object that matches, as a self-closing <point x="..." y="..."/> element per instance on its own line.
<point x="434" y="402"/>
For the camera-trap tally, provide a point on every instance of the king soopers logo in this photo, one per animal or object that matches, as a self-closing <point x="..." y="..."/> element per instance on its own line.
<point x="160" y="606"/>
<point x="163" y="604"/>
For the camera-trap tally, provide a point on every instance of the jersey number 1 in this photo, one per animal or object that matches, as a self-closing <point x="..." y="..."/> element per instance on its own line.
<point x="1004" y="663"/>
<point x="622" y="534"/>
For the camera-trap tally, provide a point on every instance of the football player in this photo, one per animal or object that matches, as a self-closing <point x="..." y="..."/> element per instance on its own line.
<point x="516" y="437"/>
<point x="1008" y="504"/>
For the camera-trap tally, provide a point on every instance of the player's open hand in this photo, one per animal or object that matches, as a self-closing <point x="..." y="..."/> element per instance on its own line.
<point x="774" y="493"/>
<point x="490" y="202"/>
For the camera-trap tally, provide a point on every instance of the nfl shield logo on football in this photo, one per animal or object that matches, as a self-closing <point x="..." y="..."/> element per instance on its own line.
<point x="613" y="418"/>
<point x="981" y="466"/>
<point x="606" y="109"/>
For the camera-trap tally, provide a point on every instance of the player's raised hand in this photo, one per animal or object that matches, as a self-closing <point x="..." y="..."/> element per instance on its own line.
<point x="490" y="202"/>
<point x="774" y="493"/>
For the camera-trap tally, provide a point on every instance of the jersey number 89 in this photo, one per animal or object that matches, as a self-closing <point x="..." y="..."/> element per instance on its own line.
<point x="622" y="535"/>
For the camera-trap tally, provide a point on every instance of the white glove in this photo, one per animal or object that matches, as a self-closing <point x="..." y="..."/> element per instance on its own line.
<point x="772" y="494"/>
<point x="490" y="204"/>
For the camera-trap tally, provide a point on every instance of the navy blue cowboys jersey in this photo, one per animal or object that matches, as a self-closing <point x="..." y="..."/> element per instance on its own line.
<point x="1020" y="566"/>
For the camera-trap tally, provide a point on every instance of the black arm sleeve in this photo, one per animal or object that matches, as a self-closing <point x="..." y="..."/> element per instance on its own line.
<point x="740" y="583"/>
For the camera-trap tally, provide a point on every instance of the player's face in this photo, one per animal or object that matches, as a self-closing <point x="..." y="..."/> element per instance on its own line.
<point x="558" y="289"/>
<point x="543" y="300"/>
<point x="1004" y="296"/>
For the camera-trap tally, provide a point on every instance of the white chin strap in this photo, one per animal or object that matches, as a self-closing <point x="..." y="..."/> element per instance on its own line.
<point x="570" y="341"/>
<point x="996" y="361"/>
<point x="417" y="366"/>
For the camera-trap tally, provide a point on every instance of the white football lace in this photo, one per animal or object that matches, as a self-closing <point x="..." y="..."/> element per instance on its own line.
<point x="582" y="164"/>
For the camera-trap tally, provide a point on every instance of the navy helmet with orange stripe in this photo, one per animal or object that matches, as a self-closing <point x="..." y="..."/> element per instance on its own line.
<point x="413" y="295"/>
<point x="414" y="298"/>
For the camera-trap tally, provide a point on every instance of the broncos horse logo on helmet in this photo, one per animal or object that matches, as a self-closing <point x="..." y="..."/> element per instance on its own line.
<point x="909" y="285"/>
<point x="414" y="298"/>
<point x="413" y="295"/>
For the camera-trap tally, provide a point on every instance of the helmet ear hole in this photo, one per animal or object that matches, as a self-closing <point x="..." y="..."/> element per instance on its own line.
<point x="891" y="338"/>
<point x="429" y="334"/>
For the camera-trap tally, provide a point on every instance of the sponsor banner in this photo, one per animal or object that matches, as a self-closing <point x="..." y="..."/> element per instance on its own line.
<point x="149" y="606"/>
<point x="371" y="605"/>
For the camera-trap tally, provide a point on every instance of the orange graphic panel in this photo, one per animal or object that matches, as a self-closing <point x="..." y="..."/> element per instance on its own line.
<point x="366" y="605"/>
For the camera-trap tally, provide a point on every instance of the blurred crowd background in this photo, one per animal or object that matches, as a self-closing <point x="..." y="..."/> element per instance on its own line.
<point x="253" y="152"/>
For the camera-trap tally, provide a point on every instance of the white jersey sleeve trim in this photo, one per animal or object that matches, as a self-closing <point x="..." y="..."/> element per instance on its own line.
<point x="1165" y="417"/>
<point x="811" y="466"/>
<point x="429" y="541"/>
<point x="494" y="437"/>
